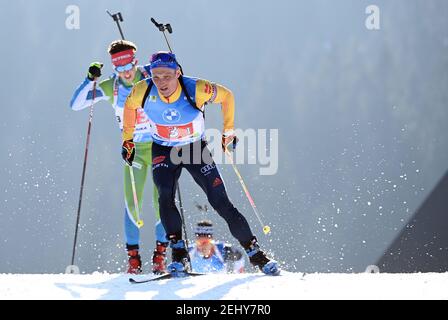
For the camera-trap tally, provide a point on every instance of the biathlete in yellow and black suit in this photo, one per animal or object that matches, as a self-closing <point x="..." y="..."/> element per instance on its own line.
<point x="174" y="105"/>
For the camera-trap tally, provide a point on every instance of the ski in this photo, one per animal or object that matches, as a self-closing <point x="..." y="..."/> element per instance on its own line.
<point x="165" y="276"/>
<point x="158" y="277"/>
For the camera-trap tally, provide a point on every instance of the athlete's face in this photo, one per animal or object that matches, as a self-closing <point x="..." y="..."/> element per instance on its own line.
<point x="128" y="76"/>
<point x="205" y="246"/>
<point x="165" y="79"/>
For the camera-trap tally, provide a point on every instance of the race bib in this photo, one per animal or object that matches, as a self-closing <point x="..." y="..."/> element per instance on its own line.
<point x="175" y="132"/>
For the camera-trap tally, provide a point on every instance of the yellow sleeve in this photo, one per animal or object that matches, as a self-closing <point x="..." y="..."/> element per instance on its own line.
<point x="133" y="102"/>
<point x="210" y="92"/>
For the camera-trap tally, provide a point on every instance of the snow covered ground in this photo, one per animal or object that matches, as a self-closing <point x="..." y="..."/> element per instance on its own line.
<point x="288" y="286"/>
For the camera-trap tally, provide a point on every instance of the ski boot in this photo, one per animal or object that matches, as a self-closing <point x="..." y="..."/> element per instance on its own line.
<point x="134" y="260"/>
<point x="259" y="259"/>
<point x="159" y="258"/>
<point x="180" y="265"/>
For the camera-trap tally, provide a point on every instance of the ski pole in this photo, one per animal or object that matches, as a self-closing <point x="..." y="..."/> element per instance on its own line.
<point x="266" y="228"/>
<point x="134" y="193"/>
<point x="117" y="18"/>
<point x="162" y="27"/>
<point x="182" y="213"/>
<point x="72" y="268"/>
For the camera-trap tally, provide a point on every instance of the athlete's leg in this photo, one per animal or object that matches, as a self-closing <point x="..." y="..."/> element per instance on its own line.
<point x="132" y="232"/>
<point x="207" y="176"/>
<point x="159" y="253"/>
<point x="140" y="171"/>
<point x="159" y="230"/>
<point x="165" y="175"/>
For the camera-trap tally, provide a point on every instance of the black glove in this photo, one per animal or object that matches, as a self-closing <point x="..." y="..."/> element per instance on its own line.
<point x="94" y="70"/>
<point x="128" y="151"/>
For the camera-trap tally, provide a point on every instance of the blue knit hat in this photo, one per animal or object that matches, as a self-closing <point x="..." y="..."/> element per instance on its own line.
<point x="204" y="228"/>
<point x="163" y="59"/>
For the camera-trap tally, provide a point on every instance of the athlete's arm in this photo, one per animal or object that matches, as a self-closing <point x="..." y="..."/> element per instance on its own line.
<point x="209" y="92"/>
<point x="83" y="96"/>
<point x="133" y="102"/>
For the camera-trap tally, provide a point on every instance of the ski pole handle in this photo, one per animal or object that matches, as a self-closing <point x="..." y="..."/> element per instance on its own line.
<point x="117" y="17"/>
<point x="158" y="25"/>
<point x="162" y="27"/>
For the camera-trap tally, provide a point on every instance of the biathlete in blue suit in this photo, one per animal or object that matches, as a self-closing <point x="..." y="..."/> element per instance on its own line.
<point x="174" y="105"/>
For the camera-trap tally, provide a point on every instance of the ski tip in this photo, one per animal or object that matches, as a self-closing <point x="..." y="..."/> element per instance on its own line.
<point x="195" y="274"/>
<point x="167" y="276"/>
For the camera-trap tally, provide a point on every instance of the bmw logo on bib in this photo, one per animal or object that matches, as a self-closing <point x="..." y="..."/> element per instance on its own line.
<point x="171" y="115"/>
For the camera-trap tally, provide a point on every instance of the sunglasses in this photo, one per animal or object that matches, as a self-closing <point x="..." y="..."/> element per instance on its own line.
<point x="126" y="67"/>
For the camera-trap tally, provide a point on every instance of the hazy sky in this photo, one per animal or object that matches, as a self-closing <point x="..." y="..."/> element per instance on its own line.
<point x="361" y="116"/>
